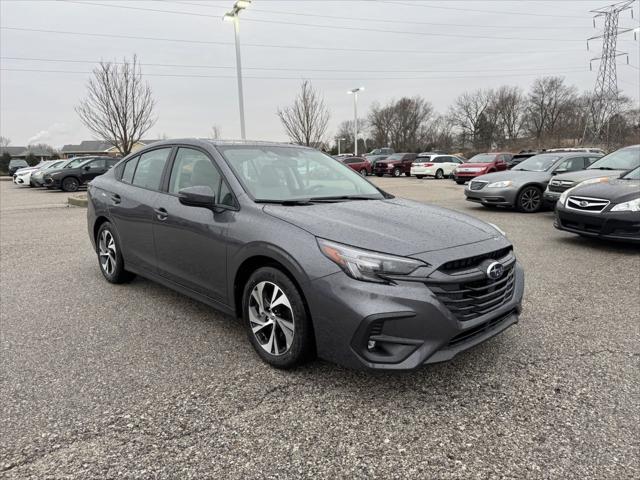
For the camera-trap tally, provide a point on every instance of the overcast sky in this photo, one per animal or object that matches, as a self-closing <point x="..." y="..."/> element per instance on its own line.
<point x="437" y="49"/>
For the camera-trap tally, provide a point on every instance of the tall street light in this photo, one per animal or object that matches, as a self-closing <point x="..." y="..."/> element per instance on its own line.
<point x="234" y="16"/>
<point x="354" y="92"/>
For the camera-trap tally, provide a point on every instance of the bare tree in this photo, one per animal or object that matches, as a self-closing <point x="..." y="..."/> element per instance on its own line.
<point x="119" y="104"/>
<point x="4" y="142"/>
<point x="509" y="104"/>
<point x="345" y="130"/>
<point x="306" y="120"/>
<point x="468" y="114"/>
<point x="549" y="99"/>
<point x="402" y="124"/>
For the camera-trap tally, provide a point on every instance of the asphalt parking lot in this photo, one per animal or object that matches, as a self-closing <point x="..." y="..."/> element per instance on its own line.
<point x="136" y="381"/>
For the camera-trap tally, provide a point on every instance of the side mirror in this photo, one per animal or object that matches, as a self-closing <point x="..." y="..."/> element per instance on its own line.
<point x="559" y="170"/>
<point x="200" y="196"/>
<point x="87" y="167"/>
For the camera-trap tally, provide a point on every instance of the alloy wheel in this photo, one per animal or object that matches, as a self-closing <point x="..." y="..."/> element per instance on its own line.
<point x="439" y="174"/>
<point x="530" y="199"/>
<point x="107" y="252"/>
<point x="271" y="318"/>
<point x="396" y="172"/>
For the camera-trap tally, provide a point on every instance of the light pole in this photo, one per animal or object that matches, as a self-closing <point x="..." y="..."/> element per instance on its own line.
<point x="234" y="16"/>
<point x="354" y="92"/>
<point x="340" y="140"/>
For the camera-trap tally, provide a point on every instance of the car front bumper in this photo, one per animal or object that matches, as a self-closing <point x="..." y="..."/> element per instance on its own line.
<point x="409" y="323"/>
<point x="620" y="226"/>
<point x="492" y="196"/>
<point x="550" y="198"/>
<point x="51" y="182"/>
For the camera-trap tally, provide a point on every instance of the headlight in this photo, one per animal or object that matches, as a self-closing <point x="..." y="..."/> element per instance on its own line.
<point x="503" y="184"/>
<point x="366" y="265"/>
<point x="631" y="206"/>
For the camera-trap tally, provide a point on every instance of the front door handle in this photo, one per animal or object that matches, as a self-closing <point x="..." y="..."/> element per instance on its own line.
<point x="115" y="198"/>
<point x="161" y="214"/>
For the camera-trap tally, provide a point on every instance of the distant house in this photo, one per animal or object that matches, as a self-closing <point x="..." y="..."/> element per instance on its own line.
<point x="24" y="152"/>
<point x="98" y="147"/>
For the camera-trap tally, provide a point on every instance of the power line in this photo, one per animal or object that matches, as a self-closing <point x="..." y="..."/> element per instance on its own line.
<point x="332" y="27"/>
<point x="460" y="9"/>
<point x="298" y="78"/>
<point x="292" y="69"/>
<point x="294" y="47"/>
<point x="386" y="20"/>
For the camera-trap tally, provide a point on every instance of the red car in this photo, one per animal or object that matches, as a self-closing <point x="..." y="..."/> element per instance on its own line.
<point x="359" y="164"/>
<point x="481" y="164"/>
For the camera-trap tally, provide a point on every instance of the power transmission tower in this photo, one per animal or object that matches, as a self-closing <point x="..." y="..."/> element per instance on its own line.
<point x="604" y="105"/>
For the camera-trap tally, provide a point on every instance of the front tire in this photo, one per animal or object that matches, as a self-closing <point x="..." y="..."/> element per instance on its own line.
<point x="529" y="200"/>
<point x="110" y="255"/>
<point x="396" y="172"/>
<point x="439" y="174"/>
<point x="363" y="172"/>
<point x="276" y="319"/>
<point x="70" y="184"/>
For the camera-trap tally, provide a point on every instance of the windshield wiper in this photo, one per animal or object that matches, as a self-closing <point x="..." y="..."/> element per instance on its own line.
<point x="603" y="168"/>
<point x="337" y="198"/>
<point x="286" y="203"/>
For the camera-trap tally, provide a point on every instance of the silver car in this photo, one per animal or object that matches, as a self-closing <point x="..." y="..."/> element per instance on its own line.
<point x="523" y="186"/>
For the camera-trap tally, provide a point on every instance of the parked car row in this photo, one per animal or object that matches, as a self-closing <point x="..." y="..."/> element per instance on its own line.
<point x="67" y="175"/>
<point x="593" y="194"/>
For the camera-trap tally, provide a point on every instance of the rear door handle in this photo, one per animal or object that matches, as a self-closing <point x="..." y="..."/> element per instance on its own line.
<point x="161" y="214"/>
<point x="115" y="198"/>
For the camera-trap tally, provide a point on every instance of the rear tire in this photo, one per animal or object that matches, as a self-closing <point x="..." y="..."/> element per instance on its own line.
<point x="396" y="172"/>
<point x="110" y="255"/>
<point x="439" y="174"/>
<point x="407" y="174"/>
<point x="460" y="182"/>
<point x="379" y="174"/>
<point x="281" y="335"/>
<point x="70" y="184"/>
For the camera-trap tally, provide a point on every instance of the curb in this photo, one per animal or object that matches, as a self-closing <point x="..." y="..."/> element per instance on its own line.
<point x="77" y="202"/>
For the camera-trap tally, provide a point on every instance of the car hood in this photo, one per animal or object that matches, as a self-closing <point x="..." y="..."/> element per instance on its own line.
<point x="582" y="175"/>
<point x="394" y="226"/>
<point x="516" y="176"/>
<point x="58" y="170"/>
<point x="20" y="171"/>
<point x="614" y="189"/>
<point x="476" y="165"/>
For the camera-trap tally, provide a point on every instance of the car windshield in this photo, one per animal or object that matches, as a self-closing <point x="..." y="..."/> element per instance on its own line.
<point x="280" y="174"/>
<point x="623" y="159"/>
<point x="538" y="163"/>
<point x="75" y="162"/>
<point x="483" y="158"/>
<point x="377" y="151"/>
<point x="424" y="158"/>
<point x="632" y="175"/>
<point x="395" y="156"/>
<point x="57" y="164"/>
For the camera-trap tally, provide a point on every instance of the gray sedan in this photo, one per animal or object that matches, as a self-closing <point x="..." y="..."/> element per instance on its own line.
<point x="522" y="186"/>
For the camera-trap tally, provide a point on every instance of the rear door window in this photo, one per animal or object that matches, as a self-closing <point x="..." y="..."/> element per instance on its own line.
<point x="129" y="169"/>
<point x="150" y="167"/>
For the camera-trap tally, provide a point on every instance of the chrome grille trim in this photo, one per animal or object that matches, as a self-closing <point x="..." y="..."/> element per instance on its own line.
<point x="587" y="204"/>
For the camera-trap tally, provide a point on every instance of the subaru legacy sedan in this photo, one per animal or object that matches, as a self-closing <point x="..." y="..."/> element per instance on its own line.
<point x="277" y="235"/>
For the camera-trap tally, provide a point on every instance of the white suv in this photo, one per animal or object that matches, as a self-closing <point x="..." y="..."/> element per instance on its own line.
<point x="434" y="165"/>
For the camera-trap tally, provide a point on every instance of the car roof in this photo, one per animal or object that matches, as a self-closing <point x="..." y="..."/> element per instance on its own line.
<point x="224" y="143"/>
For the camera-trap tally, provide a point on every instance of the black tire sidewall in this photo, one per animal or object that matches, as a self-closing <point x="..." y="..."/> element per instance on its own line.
<point x="519" y="200"/>
<point x="119" y="274"/>
<point x="363" y="172"/>
<point x="396" y="172"/>
<point x="63" y="184"/>
<point x="301" y="348"/>
<point x="441" y="176"/>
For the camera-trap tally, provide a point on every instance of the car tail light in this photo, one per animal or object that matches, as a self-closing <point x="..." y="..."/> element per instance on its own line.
<point x="418" y="164"/>
<point x="428" y="164"/>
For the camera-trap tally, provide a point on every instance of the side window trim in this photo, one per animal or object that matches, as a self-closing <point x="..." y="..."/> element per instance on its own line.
<point x="138" y="156"/>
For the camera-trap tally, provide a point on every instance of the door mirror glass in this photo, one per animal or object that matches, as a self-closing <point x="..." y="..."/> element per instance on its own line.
<point x="200" y="196"/>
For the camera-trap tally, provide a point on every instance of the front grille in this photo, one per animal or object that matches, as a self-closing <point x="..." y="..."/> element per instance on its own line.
<point x="587" y="204"/>
<point x="479" y="329"/>
<point x="477" y="184"/>
<point x="471" y="262"/>
<point x="469" y="300"/>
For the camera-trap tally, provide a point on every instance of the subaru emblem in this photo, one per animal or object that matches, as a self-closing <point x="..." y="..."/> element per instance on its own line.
<point x="495" y="270"/>
<point x="584" y="203"/>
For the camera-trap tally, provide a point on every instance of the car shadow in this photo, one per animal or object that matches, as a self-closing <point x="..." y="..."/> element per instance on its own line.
<point x="599" y="244"/>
